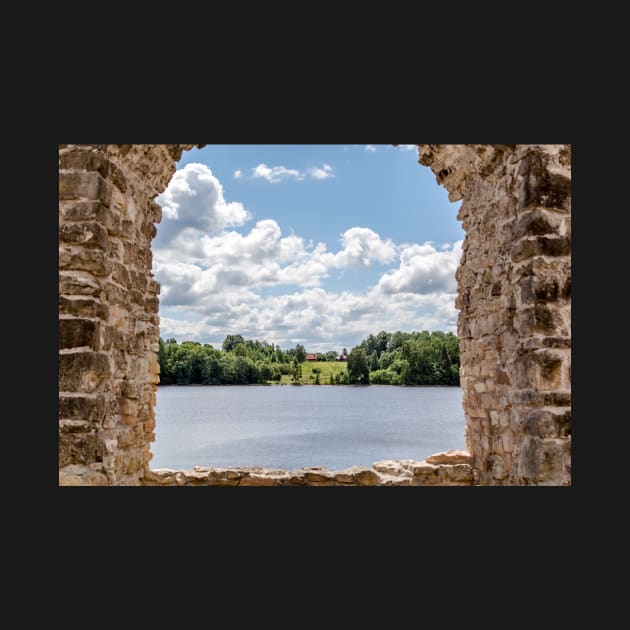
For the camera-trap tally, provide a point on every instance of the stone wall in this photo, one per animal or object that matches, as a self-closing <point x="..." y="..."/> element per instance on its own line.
<point x="513" y="296"/>
<point x="108" y="308"/>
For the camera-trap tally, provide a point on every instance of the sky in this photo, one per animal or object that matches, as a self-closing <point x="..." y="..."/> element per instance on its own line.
<point x="318" y="245"/>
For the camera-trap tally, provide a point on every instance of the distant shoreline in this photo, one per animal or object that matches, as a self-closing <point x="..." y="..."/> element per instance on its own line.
<point x="294" y="385"/>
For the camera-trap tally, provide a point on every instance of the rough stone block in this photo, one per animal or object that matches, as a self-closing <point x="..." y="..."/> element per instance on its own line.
<point x="75" y="426"/>
<point x="218" y="474"/>
<point x="536" y="319"/>
<point x="536" y="222"/>
<point x="393" y="468"/>
<point x="84" y="408"/>
<point x="254" y="479"/>
<point x="311" y="476"/>
<point x="452" y="456"/>
<point x="75" y="333"/>
<point x="456" y="474"/>
<point x="90" y="161"/>
<point x="88" y="234"/>
<point x="532" y="397"/>
<point x="537" y="370"/>
<point x="93" y="260"/>
<point x="116" y="296"/>
<point x="495" y="466"/>
<point x="543" y="187"/>
<point x="541" y="246"/>
<point x="77" y="283"/>
<point x="543" y="459"/>
<point x="494" y="418"/>
<point x="120" y="274"/>
<point x="394" y="480"/>
<point x="163" y="477"/>
<point x="80" y="475"/>
<point x="82" y="371"/>
<point x="538" y="290"/>
<point x="83" y="307"/>
<point x="85" y="211"/>
<point x="556" y="342"/>
<point x="155" y="212"/>
<point x="363" y="476"/>
<point x="424" y="469"/>
<point x="152" y="304"/>
<point x="130" y="389"/>
<point x="149" y="424"/>
<point x="134" y="462"/>
<point x="80" y="448"/>
<point x="84" y="185"/>
<point x="547" y="424"/>
<point x="127" y="406"/>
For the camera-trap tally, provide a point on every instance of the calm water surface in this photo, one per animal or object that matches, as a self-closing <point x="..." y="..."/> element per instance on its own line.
<point x="290" y="427"/>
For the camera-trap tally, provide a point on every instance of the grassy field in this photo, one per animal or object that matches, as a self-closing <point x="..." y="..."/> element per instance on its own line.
<point x="308" y="377"/>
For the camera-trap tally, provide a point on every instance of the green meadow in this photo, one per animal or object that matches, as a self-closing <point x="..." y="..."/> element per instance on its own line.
<point x="309" y="375"/>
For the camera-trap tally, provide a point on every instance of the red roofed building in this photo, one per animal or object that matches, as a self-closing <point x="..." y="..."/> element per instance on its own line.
<point x="311" y="357"/>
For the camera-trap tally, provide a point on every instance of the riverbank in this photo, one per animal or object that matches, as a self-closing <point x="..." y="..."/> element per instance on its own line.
<point x="272" y="384"/>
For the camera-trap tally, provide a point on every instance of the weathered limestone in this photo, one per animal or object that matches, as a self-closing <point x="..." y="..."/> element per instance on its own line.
<point x="514" y="297"/>
<point x="108" y="322"/>
<point x="385" y="473"/>
<point x="451" y="456"/>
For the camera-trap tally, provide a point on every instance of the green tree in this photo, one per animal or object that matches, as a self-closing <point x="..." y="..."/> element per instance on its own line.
<point x="265" y="371"/>
<point x="300" y="353"/>
<point x="380" y="377"/>
<point x="296" y="372"/>
<point x="358" y="370"/>
<point x="416" y="358"/>
<point x="232" y="340"/>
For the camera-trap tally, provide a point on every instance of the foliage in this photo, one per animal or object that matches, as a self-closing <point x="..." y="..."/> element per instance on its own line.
<point x="417" y="358"/>
<point x="296" y="372"/>
<point x="358" y="370"/>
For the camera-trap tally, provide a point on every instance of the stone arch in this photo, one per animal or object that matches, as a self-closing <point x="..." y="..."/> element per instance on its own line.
<point x="514" y="298"/>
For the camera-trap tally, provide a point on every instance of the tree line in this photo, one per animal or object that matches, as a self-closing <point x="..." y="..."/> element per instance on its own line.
<point x="417" y="358"/>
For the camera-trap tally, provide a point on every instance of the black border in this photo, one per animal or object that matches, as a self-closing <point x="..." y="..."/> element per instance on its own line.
<point x="406" y="522"/>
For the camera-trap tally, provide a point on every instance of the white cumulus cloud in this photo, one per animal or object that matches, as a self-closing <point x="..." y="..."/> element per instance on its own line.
<point x="423" y="269"/>
<point x="194" y="199"/>
<point x="361" y="246"/>
<point x="217" y="280"/>
<point x="370" y="148"/>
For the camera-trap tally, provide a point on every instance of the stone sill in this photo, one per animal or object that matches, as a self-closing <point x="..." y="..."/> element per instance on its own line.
<point x="451" y="468"/>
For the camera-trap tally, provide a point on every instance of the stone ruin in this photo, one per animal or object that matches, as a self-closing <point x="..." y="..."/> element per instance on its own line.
<point x="514" y="301"/>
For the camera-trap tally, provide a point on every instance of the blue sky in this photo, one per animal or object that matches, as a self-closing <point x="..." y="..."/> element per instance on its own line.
<point x="312" y="244"/>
